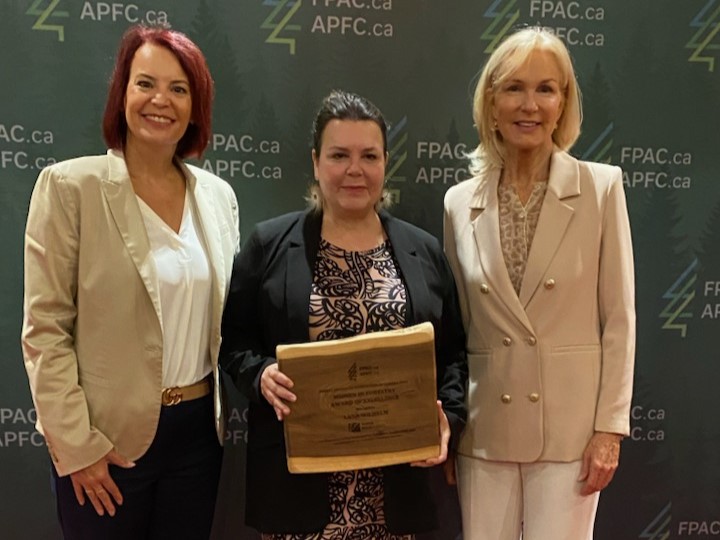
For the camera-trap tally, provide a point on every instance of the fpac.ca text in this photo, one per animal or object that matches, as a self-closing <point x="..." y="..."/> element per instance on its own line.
<point x="23" y="437"/>
<point x="711" y="310"/>
<point x="698" y="528"/>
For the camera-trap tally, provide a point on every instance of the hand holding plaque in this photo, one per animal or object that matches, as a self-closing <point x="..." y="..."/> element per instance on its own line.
<point x="364" y="401"/>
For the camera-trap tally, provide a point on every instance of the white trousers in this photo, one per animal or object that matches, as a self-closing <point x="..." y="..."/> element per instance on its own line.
<point x="533" y="501"/>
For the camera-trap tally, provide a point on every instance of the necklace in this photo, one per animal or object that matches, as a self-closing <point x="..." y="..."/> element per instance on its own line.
<point x="524" y="214"/>
<point x="529" y="204"/>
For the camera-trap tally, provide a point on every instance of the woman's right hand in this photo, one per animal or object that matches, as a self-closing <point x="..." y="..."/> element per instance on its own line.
<point x="275" y="388"/>
<point x="96" y="483"/>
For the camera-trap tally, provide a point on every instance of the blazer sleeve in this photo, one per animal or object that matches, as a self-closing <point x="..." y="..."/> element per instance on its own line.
<point x="242" y="353"/>
<point x="451" y="358"/>
<point x="616" y="301"/>
<point x="52" y="238"/>
<point x="450" y="248"/>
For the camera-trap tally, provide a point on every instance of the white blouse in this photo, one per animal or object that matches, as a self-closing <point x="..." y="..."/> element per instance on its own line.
<point x="184" y="284"/>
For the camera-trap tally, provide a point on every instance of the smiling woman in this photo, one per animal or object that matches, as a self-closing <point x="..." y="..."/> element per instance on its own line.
<point x="158" y="101"/>
<point x="127" y="262"/>
<point x="350" y="168"/>
<point x="539" y="243"/>
<point x="200" y="85"/>
<point x="528" y="105"/>
<point x="344" y="267"/>
<point x="158" y="108"/>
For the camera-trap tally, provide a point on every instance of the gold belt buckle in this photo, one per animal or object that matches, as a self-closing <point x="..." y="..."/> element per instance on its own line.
<point x="171" y="396"/>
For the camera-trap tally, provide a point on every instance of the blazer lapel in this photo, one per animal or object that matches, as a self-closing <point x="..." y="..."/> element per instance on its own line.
<point x="564" y="183"/>
<point x="210" y="231"/>
<point x="304" y="243"/>
<point x="484" y="214"/>
<point x="411" y="270"/>
<point x="125" y="211"/>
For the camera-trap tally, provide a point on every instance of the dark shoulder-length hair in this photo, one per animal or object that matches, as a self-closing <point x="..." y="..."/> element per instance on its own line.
<point x="342" y="105"/>
<point x="192" y="60"/>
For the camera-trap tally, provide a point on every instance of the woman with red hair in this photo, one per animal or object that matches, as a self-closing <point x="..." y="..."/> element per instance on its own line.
<point x="127" y="261"/>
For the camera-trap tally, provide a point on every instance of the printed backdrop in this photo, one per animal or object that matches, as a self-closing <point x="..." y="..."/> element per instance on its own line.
<point x="651" y="82"/>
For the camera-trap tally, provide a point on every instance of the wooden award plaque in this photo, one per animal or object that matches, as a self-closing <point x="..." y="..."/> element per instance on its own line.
<point x="365" y="401"/>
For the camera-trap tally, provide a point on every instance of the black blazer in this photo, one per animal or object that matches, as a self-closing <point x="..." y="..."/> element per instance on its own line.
<point x="268" y="305"/>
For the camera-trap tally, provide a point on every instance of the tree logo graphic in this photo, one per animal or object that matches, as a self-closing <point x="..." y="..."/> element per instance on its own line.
<point x="659" y="527"/>
<point x="599" y="149"/>
<point x="705" y="39"/>
<point x="503" y="18"/>
<point x="278" y="22"/>
<point x="680" y="294"/>
<point x="45" y="13"/>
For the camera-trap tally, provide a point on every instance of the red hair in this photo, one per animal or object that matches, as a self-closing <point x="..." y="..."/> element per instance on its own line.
<point x="192" y="60"/>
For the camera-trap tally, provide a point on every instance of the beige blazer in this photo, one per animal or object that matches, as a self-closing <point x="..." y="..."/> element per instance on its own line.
<point x="549" y="366"/>
<point x="92" y="337"/>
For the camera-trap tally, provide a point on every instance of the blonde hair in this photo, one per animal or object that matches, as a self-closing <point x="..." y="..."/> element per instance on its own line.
<point x="505" y="60"/>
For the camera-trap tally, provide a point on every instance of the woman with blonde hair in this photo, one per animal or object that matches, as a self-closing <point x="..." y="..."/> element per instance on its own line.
<point x="539" y="243"/>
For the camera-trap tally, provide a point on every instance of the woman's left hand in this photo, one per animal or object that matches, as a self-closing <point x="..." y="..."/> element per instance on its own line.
<point x="444" y="439"/>
<point x="599" y="462"/>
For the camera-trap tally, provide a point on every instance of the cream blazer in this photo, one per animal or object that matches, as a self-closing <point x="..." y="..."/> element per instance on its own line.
<point x="549" y="366"/>
<point x="92" y="337"/>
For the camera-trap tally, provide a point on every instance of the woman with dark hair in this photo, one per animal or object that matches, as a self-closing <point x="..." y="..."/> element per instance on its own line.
<point x="341" y="268"/>
<point x="127" y="263"/>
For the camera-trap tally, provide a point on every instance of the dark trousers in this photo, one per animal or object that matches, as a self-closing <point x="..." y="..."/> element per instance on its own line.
<point x="169" y="494"/>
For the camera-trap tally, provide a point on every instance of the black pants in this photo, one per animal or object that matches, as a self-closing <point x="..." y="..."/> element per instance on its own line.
<point x="169" y="494"/>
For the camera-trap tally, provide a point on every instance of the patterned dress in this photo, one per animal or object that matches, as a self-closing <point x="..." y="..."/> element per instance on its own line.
<point x="354" y="292"/>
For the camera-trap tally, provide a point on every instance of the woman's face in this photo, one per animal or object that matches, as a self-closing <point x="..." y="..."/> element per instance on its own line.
<point x="528" y="105"/>
<point x="158" y="104"/>
<point x="350" y="167"/>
